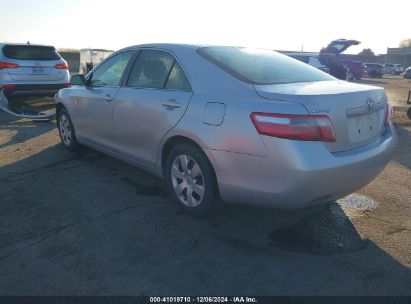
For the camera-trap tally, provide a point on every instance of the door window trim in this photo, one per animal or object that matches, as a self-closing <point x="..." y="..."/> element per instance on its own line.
<point x="90" y="74"/>
<point x="134" y="60"/>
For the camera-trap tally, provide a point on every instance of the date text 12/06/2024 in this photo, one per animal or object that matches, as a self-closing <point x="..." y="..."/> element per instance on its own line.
<point x="203" y="300"/>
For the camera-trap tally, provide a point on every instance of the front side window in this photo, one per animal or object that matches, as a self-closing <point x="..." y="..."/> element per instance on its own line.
<point x="151" y="70"/>
<point x="111" y="71"/>
<point x="257" y="66"/>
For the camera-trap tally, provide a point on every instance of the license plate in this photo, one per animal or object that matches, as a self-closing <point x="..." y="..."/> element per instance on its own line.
<point x="38" y="70"/>
<point x="364" y="127"/>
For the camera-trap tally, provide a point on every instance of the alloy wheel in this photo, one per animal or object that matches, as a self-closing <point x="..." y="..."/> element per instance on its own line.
<point x="188" y="180"/>
<point x="65" y="129"/>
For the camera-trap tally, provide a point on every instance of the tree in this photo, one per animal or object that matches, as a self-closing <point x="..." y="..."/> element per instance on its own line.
<point x="405" y="43"/>
<point x="366" y="52"/>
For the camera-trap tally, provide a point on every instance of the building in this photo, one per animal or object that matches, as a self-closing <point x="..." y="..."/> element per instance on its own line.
<point x="399" y="55"/>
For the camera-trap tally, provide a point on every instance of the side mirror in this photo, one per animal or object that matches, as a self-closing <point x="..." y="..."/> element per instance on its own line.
<point x="78" y="80"/>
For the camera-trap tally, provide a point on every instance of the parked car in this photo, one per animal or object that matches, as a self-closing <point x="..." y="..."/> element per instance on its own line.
<point x="400" y="68"/>
<point x="356" y="69"/>
<point x="28" y="69"/>
<point x="234" y="124"/>
<point x="407" y="73"/>
<point x="328" y="60"/>
<point x="393" y="69"/>
<point x="309" y="58"/>
<point x="374" y="69"/>
<point x="329" y="56"/>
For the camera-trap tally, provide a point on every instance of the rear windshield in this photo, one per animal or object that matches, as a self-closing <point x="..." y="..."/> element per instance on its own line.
<point x="257" y="66"/>
<point x="30" y="52"/>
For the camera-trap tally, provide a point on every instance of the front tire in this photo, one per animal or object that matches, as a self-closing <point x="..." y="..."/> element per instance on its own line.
<point x="66" y="131"/>
<point x="191" y="180"/>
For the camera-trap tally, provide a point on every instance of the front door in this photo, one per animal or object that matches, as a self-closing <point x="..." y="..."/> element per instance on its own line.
<point x="153" y="100"/>
<point x="93" y="104"/>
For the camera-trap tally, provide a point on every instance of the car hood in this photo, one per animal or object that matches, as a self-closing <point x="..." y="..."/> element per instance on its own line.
<point x="338" y="46"/>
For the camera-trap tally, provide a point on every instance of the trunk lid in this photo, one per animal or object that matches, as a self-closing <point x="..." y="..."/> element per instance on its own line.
<point x="338" y="46"/>
<point x="36" y="70"/>
<point x="356" y="111"/>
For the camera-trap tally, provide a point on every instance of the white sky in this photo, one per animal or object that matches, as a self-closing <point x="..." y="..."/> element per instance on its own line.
<point x="283" y="24"/>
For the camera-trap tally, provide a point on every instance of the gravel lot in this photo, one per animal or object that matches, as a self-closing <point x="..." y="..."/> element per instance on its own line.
<point x="87" y="224"/>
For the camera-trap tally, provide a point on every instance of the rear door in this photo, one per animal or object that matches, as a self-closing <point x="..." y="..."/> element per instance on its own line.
<point x="92" y="105"/>
<point x="35" y="63"/>
<point x="153" y="100"/>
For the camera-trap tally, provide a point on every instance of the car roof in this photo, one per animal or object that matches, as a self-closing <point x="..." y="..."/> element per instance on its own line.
<point x="184" y="47"/>
<point x="24" y="44"/>
<point x="168" y="46"/>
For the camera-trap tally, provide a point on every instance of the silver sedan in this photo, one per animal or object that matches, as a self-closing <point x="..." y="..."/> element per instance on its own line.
<point x="230" y="124"/>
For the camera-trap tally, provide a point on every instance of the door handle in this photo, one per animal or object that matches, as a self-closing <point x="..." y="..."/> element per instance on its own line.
<point x="108" y="98"/>
<point x="172" y="103"/>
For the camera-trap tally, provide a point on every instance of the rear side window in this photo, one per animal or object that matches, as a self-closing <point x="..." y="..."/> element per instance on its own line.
<point x="158" y="70"/>
<point x="30" y="52"/>
<point x="151" y="70"/>
<point x="178" y="79"/>
<point x="257" y="66"/>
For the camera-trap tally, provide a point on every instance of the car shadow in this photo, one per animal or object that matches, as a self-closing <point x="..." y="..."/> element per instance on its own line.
<point x="37" y="103"/>
<point x="102" y="227"/>
<point x="24" y="129"/>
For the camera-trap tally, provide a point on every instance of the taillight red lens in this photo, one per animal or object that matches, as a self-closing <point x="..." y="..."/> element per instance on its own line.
<point x="8" y="86"/>
<point x="296" y="127"/>
<point x="61" y="66"/>
<point x="8" y="65"/>
<point x="389" y="112"/>
<point x="67" y="85"/>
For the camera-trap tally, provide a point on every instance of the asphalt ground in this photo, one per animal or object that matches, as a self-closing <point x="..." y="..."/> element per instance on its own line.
<point x="88" y="224"/>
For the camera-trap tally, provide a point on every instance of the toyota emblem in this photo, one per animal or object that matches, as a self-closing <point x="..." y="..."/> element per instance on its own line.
<point x="370" y="104"/>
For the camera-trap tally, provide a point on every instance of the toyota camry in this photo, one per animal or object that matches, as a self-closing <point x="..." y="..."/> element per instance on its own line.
<point x="230" y="124"/>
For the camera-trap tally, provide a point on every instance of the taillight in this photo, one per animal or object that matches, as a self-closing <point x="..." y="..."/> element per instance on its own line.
<point x="8" y="65"/>
<point x="389" y="112"/>
<point x="61" y="66"/>
<point x="296" y="127"/>
<point x="67" y="85"/>
<point x="9" y="86"/>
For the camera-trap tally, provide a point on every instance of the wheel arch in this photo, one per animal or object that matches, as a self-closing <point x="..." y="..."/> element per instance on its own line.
<point x="59" y="107"/>
<point x="173" y="141"/>
<point x="181" y="139"/>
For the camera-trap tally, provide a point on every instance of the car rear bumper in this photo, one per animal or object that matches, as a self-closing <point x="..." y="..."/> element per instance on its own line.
<point x="297" y="174"/>
<point x="33" y="89"/>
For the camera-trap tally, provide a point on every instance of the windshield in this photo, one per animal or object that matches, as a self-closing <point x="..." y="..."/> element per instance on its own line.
<point x="257" y="66"/>
<point x="30" y="52"/>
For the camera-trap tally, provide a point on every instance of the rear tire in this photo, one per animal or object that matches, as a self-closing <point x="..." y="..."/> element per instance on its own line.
<point x="66" y="131"/>
<point x="191" y="180"/>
